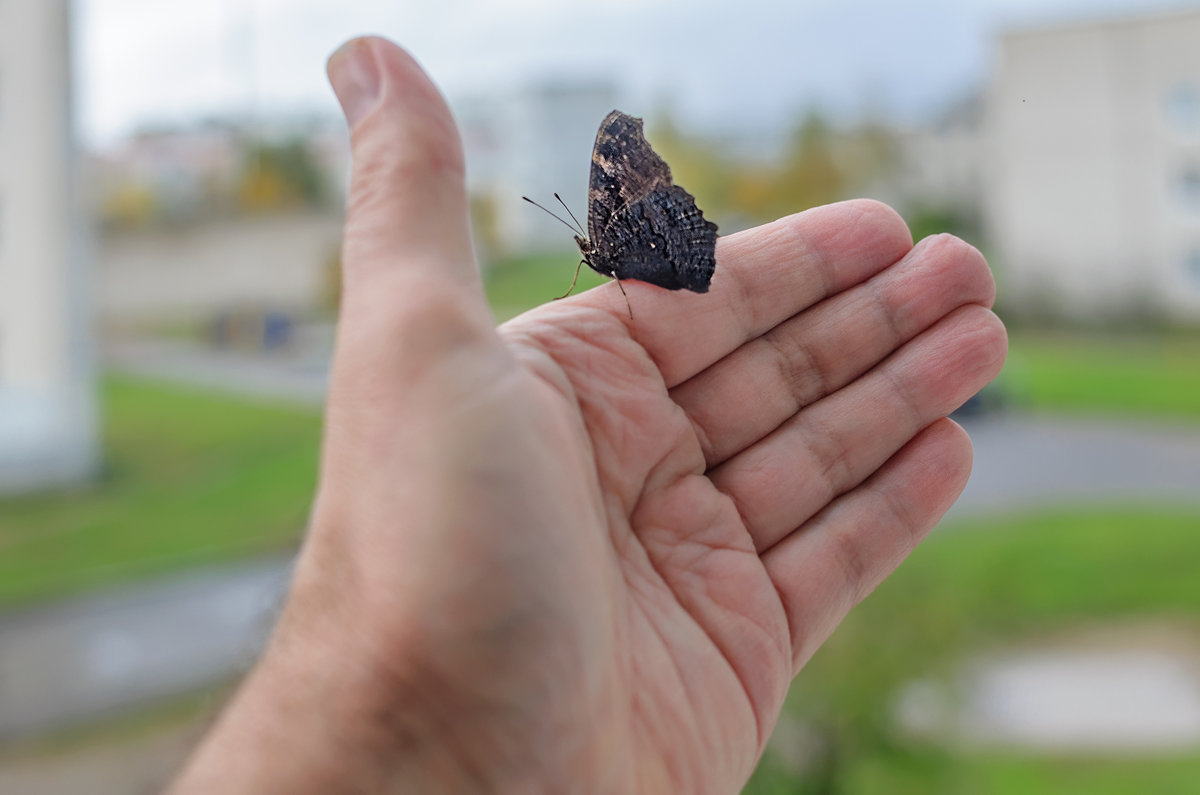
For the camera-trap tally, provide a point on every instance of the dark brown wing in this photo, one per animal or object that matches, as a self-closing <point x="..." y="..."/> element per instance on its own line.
<point x="663" y="239"/>
<point x="624" y="170"/>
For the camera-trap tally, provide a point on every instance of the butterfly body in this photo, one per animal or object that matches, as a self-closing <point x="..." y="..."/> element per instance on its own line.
<point x="640" y="224"/>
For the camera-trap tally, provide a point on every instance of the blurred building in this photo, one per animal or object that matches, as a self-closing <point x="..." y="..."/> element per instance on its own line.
<point x="47" y="424"/>
<point x="1092" y="166"/>
<point x="941" y="164"/>
<point x="196" y="224"/>
<point x="532" y="142"/>
<point x="184" y="240"/>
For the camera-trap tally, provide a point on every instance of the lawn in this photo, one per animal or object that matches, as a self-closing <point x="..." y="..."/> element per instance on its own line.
<point x="188" y="478"/>
<point x="1147" y="375"/>
<point x="975" y="585"/>
<point x="521" y="283"/>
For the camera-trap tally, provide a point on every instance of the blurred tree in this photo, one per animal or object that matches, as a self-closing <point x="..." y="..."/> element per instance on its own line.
<point x="810" y="174"/>
<point x="872" y="152"/>
<point x="819" y="164"/>
<point x="697" y="164"/>
<point x="128" y="205"/>
<point x="277" y="176"/>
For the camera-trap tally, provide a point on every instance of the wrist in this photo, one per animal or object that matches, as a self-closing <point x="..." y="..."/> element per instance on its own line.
<point x="318" y="715"/>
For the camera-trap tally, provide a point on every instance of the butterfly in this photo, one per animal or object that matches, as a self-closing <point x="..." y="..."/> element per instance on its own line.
<point x="641" y="225"/>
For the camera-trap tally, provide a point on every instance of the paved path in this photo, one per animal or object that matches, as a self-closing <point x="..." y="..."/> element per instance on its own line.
<point x="1022" y="461"/>
<point x="73" y="661"/>
<point x="298" y="373"/>
<point x="67" y="662"/>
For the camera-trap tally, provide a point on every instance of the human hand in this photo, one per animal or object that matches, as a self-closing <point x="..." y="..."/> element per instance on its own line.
<point x="584" y="552"/>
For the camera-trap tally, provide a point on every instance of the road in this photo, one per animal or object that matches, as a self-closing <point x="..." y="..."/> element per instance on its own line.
<point x="1022" y="461"/>
<point x="74" y="661"/>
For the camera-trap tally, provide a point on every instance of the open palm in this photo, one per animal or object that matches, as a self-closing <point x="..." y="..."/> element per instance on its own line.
<point x="588" y="552"/>
<point x="757" y="459"/>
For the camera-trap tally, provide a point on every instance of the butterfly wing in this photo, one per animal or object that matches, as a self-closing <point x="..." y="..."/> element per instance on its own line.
<point x="624" y="170"/>
<point x="662" y="239"/>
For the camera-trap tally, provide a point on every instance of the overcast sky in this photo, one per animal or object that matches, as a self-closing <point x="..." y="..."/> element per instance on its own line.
<point x="146" y="61"/>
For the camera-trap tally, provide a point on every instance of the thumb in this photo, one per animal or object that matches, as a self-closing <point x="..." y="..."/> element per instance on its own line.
<point x="406" y="219"/>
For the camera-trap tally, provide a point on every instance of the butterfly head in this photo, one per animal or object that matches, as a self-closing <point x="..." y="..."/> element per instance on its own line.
<point x="586" y="248"/>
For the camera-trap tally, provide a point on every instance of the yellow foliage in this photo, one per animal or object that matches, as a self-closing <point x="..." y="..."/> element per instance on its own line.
<point x="262" y="189"/>
<point x="130" y="204"/>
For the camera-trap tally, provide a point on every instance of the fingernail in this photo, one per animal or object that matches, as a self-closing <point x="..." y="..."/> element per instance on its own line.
<point x="354" y="75"/>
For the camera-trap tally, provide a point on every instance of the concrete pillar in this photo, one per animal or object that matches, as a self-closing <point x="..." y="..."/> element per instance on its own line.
<point x="47" y="396"/>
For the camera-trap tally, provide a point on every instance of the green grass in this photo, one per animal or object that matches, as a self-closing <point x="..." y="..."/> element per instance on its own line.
<point x="1148" y="375"/>
<point x="515" y="285"/>
<point x="977" y="585"/>
<point x="1007" y="774"/>
<point x="188" y="478"/>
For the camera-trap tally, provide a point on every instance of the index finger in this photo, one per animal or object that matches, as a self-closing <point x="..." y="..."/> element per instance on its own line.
<point x="764" y="276"/>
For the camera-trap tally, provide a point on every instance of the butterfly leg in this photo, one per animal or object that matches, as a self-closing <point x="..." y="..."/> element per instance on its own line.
<point x="622" y="288"/>
<point x="573" y="281"/>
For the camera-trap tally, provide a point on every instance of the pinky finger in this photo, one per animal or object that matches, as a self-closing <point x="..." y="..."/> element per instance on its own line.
<point x="832" y="562"/>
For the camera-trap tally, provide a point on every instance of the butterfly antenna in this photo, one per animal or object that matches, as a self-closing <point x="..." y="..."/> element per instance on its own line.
<point x="573" y="218"/>
<point x="552" y="215"/>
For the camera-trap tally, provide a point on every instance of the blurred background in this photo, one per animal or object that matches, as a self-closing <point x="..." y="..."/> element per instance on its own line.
<point x="171" y="185"/>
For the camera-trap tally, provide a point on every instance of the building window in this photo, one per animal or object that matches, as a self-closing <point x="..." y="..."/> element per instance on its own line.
<point x="1183" y="107"/>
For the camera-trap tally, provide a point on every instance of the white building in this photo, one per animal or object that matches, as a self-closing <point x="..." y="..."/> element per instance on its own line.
<point x="47" y="422"/>
<point x="534" y="141"/>
<point x="941" y="163"/>
<point x="1092" y="166"/>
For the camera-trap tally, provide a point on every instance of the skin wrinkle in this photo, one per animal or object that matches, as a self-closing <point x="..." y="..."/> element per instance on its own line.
<point x="833" y="468"/>
<point x="887" y="311"/>
<point x="793" y="368"/>
<point x="702" y="439"/>
<point x="597" y="415"/>
<point x="748" y="324"/>
<point x="762" y="726"/>
<point x="743" y="515"/>
<point x="684" y="445"/>
<point x="714" y="456"/>
<point x="784" y="254"/>
<point x="845" y="513"/>
<point x="640" y="617"/>
<point x="960" y="258"/>
<point x="704" y="550"/>
<point x="833" y="475"/>
<point x="751" y="702"/>
<point x="850" y="560"/>
<point x="367" y="198"/>
<point x="591" y="415"/>
<point x="683" y="680"/>
<point x="904" y="519"/>
<point x="904" y="388"/>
